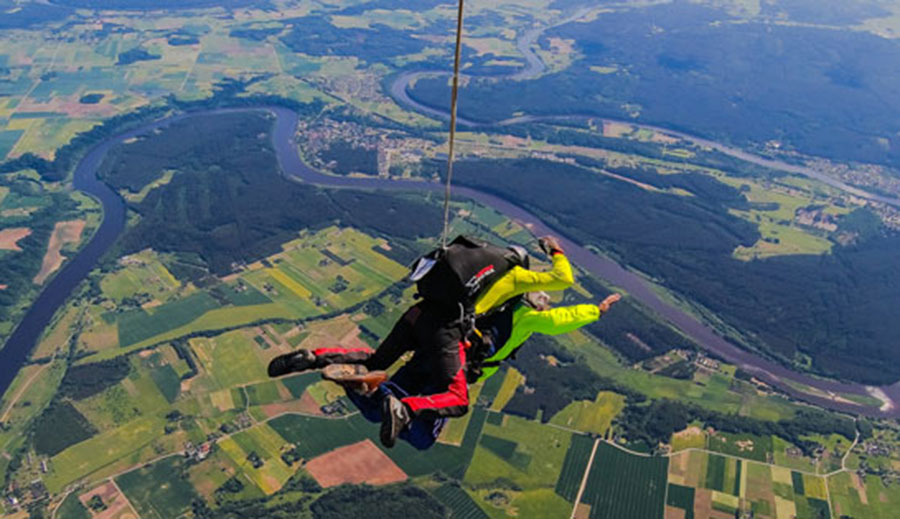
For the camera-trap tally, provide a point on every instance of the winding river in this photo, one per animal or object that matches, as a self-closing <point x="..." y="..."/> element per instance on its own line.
<point x="55" y="294"/>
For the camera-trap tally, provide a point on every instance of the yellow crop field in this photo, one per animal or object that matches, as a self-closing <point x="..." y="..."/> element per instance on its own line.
<point x="289" y="283"/>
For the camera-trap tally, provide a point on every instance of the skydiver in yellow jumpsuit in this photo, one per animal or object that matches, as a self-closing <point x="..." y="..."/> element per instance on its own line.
<point x="504" y="332"/>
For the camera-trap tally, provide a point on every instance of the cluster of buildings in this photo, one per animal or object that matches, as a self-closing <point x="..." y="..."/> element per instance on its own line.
<point x="816" y="218"/>
<point x="198" y="453"/>
<point x="393" y="153"/>
<point x="698" y="358"/>
<point x="17" y="498"/>
<point x="336" y="408"/>
<point x="863" y="175"/>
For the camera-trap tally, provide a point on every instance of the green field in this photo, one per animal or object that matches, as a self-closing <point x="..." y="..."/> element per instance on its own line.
<point x="102" y="450"/>
<point x="723" y="474"/>
<point x="574" y="465"/>
<point x="490" y="389"/>
<point x="267" y="445"/>
<point x="780" y="235"/>
<point x="734" y="485"/>
<point x="459" y="502"/>
<point x="243" y="296"/>
<point x="264" y="393"/>
<point x="591" y="417"/>
<point x="715" y="473"/>
<point x="535" y="462"/>
<point x="873" y="500"/>
<point x="305" y="270"/>
<point x="297" y="384"/>
<point x="138" y="325"/>
<point x="455" y="430"/>
<point x="39" y="393"/>
<point x="512" y="380"/>
<point x="231" y="360"/>
<point x="742" y="445"/>
<point x="138" y="395"/>
<point x="8" y="140"/>
<point x="159" y="491"/>
<point x="144" y="274"/>
<point x="690" y="438"/>
<point x="681" y="497"/>
<point x="541" y="502"/>
<point x="783" y="459"/>
<point x="167" y="381"/>
<point x="503" y="448"/>
<point x="626" y="486"/>
<point x="72" y="508"/>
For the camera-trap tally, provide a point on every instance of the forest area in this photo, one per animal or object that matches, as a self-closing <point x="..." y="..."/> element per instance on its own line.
<point x="228" y="202"/>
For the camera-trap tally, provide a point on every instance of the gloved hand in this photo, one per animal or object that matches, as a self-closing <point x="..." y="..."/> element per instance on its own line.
<point x="550" y="245"/>
<point x="608" y="302"/>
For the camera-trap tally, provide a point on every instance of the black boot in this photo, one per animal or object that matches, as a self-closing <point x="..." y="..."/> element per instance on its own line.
<point x="301" y="360"/>
<point x="395" y="416"/>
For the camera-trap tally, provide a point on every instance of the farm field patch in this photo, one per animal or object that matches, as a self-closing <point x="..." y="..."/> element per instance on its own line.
<point x="357" y="463"/>
<point x="511" y="382"/>
<point x="455" y="430"/>
<point x="257" y="452"/>
<point x="56" y="337"/>
<point x="230" y="360"/>
<point x="460" y="503"/>
<point x="304" y="280"/>
<point x="116" y="505"/>
<point x="101" y="450"/>
<point x="574" y="465"/>
<point x="626" y="486"/>
<point x="141" y="273"/>
<point x="742" y="445"/>
<point x="65" y="234"/>
<point x="157" y="491"/>
<point x="9" y="238"/>
<point x="523" y="451"/>
<point x="690" y="438"/>
<point x="591" y="417"/>
<point x="856" y="498"/>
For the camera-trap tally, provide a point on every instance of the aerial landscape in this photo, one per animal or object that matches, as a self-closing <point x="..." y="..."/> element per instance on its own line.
<point x="191" y="189"/>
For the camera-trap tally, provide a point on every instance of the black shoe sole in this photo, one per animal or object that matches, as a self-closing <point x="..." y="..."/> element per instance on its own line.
<point x="387" y="435"/>
<point x="280" y="366"/>
<point x="289" y="363"/>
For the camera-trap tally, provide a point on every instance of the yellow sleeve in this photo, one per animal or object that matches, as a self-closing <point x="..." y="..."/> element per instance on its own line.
<point x="559" y="278"/>
<point x="556" y="321"/>
<point x="520" y="281"/>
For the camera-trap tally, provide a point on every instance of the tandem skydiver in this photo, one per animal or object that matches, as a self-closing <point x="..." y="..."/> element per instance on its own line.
<point x="432" y="387"/>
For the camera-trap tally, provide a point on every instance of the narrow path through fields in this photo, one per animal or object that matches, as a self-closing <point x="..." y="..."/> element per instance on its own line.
<point x="128" y="501"/>
<point x="584" y="479"/>
<point x="25" y="386"/>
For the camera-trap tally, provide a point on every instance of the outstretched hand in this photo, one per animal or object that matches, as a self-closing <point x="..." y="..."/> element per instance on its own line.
<point x="550" y="244"/>
<point x="607" y="303"/>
